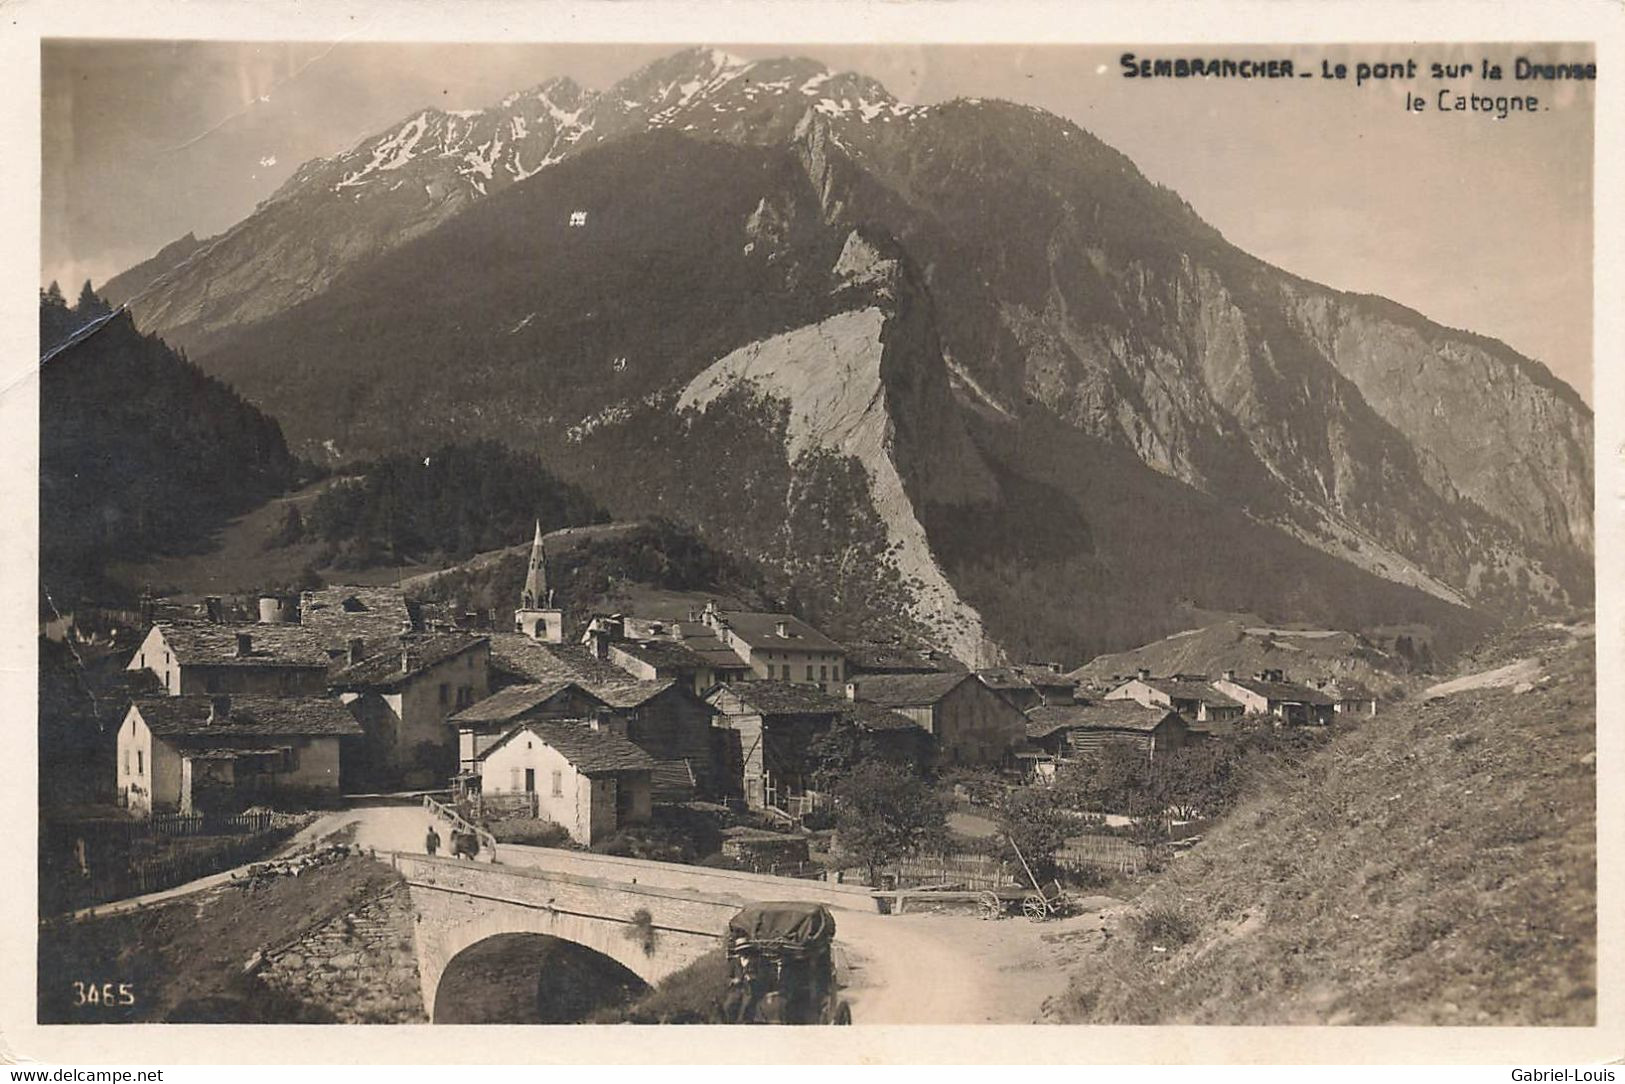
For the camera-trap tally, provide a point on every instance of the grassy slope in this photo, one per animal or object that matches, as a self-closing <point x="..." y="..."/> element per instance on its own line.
<point x="238" y="560"/>
<point x="1436" y="865"/>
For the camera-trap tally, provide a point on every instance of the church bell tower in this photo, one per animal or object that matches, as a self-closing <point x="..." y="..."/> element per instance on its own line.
<point x="537" y="617"/>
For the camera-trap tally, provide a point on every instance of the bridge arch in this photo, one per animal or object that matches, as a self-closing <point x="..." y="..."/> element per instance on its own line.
<point x="530" y="978"/>
<point x="648" y="932"/>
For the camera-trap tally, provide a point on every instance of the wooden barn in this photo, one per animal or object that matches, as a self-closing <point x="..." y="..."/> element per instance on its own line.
<point x="1074" y="730"/>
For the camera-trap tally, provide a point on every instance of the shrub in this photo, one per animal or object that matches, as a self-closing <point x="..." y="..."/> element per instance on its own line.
<point x="690" y="996"/>
<point x="530" y="832"/>
<point x="654" y="843"/>
<point x="1164" y="925"/>
<point x="642" y="930"/>
<point x="819" y="820"/>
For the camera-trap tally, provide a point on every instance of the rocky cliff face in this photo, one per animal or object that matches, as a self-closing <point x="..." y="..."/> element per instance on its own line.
<point x="1037" y="310"/>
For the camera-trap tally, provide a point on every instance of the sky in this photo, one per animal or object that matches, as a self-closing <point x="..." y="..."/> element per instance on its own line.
<point x="1476" y="222"/>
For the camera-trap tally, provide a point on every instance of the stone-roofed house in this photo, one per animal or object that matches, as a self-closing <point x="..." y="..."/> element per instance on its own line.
<point x="220" y="754"/>
<point x="339" y="615"/>
<point x="876" y="657"/>
<point x="769" y="726"/>
<point x="590" y="781"/>
<point x="1348" y="696"/>
<point x="973" y="725"/>
<point x="1269" y="693"/>
<point x="203" y="658"/>
<point x="516" y="659"/>
<point x="780" y="647"/>
<point x="1065" y="731"/>
<point x="481" y="726"/>
<point x="403" y="693"/>
<point x="672" y="725"/>
<point x="772" y="726"/>
<point x="1194" y="697"/>
<point x="665" y="718"/>
<point x="1054" y="687"/>
<point x="1030" y="685"/>
<point x="655" y="651"/>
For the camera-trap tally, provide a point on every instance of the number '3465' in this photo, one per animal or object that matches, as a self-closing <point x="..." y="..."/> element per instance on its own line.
<point x="105" y="993"/>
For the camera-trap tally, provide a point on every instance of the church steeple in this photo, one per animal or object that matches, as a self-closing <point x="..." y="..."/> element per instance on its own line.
<point x="536" y="594"/>
<point x="537" y="617"/>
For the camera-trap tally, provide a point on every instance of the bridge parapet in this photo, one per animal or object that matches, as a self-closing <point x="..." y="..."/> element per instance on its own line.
<point x="744" y="887"/>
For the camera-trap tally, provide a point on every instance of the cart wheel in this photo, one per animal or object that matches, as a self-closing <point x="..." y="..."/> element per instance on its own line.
<point x="988" y="906"/>
<point x="1033" y="907"/>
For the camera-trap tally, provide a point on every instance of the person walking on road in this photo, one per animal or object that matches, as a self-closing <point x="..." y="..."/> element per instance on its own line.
<point x="431" y="842"/>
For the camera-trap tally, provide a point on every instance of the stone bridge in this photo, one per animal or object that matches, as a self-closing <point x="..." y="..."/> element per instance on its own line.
<point x="651" y="918"/>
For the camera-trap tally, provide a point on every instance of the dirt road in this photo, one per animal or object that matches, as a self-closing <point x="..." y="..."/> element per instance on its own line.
<point x="958" y="969"/>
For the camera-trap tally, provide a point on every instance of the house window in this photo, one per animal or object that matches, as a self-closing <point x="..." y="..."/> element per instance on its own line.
<point x="823" y="673"/>
<point x="140" y="762"/>
<point x="445" y="691"/>
<point x="809" y="672"/>
<point x="558" y="784"/>
<point x="530" y="780"/>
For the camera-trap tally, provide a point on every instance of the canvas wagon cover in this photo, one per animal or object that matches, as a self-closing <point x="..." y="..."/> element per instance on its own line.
<point x="783" y="923"/>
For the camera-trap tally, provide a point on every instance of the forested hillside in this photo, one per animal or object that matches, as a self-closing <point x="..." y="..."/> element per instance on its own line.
<point x="140" y="452"/>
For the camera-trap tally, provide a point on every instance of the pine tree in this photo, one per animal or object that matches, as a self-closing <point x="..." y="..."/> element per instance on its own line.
<point x="52" y="295"/>
<point x="89" y="304"/>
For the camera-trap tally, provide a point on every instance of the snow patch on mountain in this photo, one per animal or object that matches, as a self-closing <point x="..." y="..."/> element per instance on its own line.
<point x="828" y="374"/>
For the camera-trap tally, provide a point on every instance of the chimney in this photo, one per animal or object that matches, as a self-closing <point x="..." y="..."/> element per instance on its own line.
<point x="245" y="645"/>
<point x="1229" y="675"/>
<point x="219" y="709"/>
<point x="356" y="649"/>
<point x="409" y="660"/>
<point x="1143" y="674"/>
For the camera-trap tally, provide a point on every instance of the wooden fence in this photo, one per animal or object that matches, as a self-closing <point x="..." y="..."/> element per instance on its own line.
<point x="69" y="890"/>
<point x="497" y="806"/>
<point x="970" y="870"/>
<point x="1103" y="852"/>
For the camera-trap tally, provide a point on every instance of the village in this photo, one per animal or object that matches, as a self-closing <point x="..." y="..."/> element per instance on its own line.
<point x="348" y="691"/>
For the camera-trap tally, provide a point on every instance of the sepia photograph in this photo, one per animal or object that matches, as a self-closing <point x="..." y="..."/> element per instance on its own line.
<point x="830" y="532"/>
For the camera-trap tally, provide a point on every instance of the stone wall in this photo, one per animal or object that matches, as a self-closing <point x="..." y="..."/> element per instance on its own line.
<point x="361" y="966"/>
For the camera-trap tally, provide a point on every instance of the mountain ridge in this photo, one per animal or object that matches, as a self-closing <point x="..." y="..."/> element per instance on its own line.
<point x="1045" y="278"/>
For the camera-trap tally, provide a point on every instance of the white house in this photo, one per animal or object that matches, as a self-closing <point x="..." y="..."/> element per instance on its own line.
<point x="584" y="778"/>
<point x="1271" y="694"/>
<point x="1194" y="698"/>
<point x="196" y="753"/>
